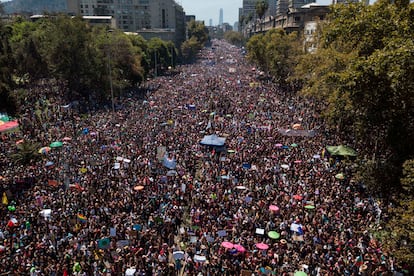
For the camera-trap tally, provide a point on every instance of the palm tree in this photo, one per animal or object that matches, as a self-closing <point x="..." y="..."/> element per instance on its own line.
<point x="27" y="152"/>
<point x="261" y="8"/>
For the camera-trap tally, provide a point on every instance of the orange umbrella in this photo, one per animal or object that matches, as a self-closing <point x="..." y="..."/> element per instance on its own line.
<point x="138" y="188"/>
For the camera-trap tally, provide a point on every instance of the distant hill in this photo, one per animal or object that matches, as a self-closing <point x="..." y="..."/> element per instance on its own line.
<point x="34" y="6"/>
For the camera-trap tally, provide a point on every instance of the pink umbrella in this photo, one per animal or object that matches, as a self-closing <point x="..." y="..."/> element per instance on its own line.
<point x="227" y="245"/>
<point x="278" y="145"/>
<point x="297" y="197"/>
<point x="274" y="208"/>
<point x="262" y="246"/>
<point x="239" y="248"/>
<point x="298" y="161"/>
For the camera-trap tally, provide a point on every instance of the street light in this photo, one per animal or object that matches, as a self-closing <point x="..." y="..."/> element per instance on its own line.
<point x="110" y="73"/>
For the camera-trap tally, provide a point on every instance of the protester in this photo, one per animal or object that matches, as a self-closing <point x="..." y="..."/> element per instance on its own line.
<point x="135" y="193"/>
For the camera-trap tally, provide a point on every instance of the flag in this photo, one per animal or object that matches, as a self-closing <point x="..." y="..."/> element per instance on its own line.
<point x="82" y="218"/>
<point x="4" y="199"/>
<point x="104" y="243"/>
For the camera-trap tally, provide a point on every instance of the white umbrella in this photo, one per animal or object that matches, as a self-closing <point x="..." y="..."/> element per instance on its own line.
<point x="130" y="271"/>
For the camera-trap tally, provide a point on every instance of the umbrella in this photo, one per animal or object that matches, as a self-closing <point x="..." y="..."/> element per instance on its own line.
<point x="294" y="145"/>
<point x="274" y="208"/>
<point x="130" y="271"/>
<point x="279" y="145"/>
<point x="340" y="176"/>
<point x="227" y="244"/>
<point x="316" y="156"/>
<point x="298" y="161"/>
<point x="231" y="151"/>
<point x="241" y="187"/>
<point x="300" y="273"/>
<point x="297" y="197"/>
<point x="44" y="150"/>
<point x="273" y="235"/>
<point x="178" y="255"/>
<point x="12" y="222"/>
<point x="285" y="166"/>
<point x="6" y="126"/>
<point x="171" y="173"/>
<point x="56" y="144"/>
<point x="341" y="150"/>
<point x="262" y="246"/>
<point x="49" y="163"/>
<point x="213" y="140"/>
<point x="138" y="188"/>
<point x="66" y="139"/>
<point x="239" y="248"/>
<point x="297" y="126"/>
<point x="309" y="207"/>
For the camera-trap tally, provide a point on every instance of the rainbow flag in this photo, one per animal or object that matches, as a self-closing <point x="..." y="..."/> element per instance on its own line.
<point x="82" y="218"/>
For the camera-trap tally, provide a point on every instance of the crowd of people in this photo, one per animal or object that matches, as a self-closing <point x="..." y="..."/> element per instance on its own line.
<point x="133" y="192"/>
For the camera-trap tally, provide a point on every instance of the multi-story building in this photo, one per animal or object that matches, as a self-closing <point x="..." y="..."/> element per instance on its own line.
<point x="137" y="15"/>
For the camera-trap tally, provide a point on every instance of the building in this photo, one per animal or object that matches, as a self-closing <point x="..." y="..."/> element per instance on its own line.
<point x="162" y="16"/>
<point x="221" y="17"/>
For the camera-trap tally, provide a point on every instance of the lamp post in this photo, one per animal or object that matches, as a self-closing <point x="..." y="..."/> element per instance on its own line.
<point x="110" y="74"/>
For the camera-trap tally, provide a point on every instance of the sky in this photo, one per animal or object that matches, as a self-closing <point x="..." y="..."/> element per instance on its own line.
<point x="210" y="9"/>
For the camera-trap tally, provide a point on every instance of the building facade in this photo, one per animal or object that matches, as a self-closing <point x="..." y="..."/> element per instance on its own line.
<point x="137" y="15"/>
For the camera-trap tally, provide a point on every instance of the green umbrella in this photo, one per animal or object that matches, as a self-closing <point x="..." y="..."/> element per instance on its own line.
<point x="4" y="118"/>
<point x="309" y="207"/>
<point x="56" y="144"/>
<point x="294" y="145"/>
<point x="273" y="235"/>
<point x="341" y="150"/>
<point x="300" y="273"/>
<point x="340" y="176"/>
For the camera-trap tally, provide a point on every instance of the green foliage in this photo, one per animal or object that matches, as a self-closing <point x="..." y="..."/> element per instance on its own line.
<point x="26" y="153"/>
<point x="261" y="7"/>
<point x="363" y="74"/>
<point x="6" y="69"/>
<point x="398" y="235"/>
<point x="276" y="53"/>
<point x="234" y="38"/>
<point x="407" y="181"/>
<point x="198" y="37"/>
<point x="190" y="48"/>
<point x="197" y="30"/>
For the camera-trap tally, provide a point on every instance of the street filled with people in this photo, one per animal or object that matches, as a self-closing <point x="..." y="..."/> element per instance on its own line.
<point x="215" y="172"/>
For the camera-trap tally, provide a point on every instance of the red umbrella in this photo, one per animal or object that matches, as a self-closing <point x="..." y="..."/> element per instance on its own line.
<point x="6" y="126"/>
<point x="239" y="248"/>
<point x="297" y="197"/>
<point x="227" y="245"/>
<point x="262" y="246"/>
<point x="274" y="208"/>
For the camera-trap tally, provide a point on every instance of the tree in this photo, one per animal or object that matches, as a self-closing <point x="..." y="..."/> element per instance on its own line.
<point x="197" y="30"/>
<point x="30" y="65"/>
<point x="26" y="153"/>
<point x="365" y="78"/>
<point x="276" y="53"/>
<point x="234" y="38"/>
<point x="6" y="65"/>
<point x="190" y="48"/>
<point x="261" y="8"/>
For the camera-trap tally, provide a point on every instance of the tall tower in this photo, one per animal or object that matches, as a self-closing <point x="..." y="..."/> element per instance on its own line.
<point x="221" y="17"/>
<point x="210" y="22"/>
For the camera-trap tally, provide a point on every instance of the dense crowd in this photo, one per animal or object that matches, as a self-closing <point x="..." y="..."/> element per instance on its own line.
<point x="135" y="193"/>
